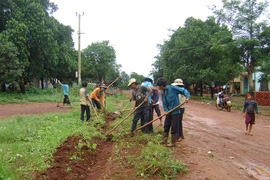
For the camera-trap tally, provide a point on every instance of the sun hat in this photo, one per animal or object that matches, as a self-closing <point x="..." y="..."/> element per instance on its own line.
<point x="178" y="82"/>
<point x="132" y="80"/>
<point x="103" y="86"/>
<point x="147" y="79"/>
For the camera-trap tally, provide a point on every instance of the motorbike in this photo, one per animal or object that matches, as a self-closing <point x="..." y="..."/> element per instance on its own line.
<point x="223" y="101"/>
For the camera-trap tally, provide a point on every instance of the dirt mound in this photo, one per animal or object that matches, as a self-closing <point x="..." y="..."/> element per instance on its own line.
<point x="77" y="158"/>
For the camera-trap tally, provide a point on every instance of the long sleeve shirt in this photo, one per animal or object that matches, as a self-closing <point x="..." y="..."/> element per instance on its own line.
<point x="98" y="95"/>
<point x="170" y="98"/>
<point x="250" y="107"/>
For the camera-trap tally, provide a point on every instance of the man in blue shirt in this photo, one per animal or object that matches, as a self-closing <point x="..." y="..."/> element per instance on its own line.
<point x="147" y="82"/>
<point x="170" y="101"/>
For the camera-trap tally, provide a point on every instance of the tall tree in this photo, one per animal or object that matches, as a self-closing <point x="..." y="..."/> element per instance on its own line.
<point x="242" y="17"/>
<point x="99" y="61"/>
<point x="10" y="68"/>
<point x="188" y="54"/>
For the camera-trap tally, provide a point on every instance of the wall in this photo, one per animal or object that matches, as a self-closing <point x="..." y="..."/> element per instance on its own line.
<point x="263" y="98"/>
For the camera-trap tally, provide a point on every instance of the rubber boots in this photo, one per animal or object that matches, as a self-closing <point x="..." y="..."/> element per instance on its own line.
<point x="173" y="140"/>
<point x="164" y="138"/>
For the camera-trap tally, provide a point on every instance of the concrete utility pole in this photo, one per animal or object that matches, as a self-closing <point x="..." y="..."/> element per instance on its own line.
<point x="79" y="48"/>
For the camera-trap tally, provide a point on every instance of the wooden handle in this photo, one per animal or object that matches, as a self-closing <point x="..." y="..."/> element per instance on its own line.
<point x="123" y="119"/>
<point x="160" y="116"/>
<point x="113" y="82"/>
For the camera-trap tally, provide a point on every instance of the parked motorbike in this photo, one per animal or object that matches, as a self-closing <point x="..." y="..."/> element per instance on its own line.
<point x="223" y="101"/>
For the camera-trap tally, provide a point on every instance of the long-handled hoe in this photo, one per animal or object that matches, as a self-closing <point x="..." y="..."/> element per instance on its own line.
<point x="113" y="81"/>
<point x="108" y="133"/>
<point x="124" y="109"/>
<point x="95" y="112"/>
<point x="176" y="107"/>
<point x="109" y="113"/>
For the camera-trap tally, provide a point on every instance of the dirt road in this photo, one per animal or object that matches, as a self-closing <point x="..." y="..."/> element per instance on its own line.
<point x="215" y="146"/>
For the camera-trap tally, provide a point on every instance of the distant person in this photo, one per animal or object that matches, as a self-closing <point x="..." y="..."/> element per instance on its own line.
<point x="97" y="97"/>
<point x="155" y="105"/>
<point x="249" y="110"/>
<point x="170" y="101"/>
<point x="66" y="93"/>
<point x="85" y="101"/>
<point x="182" y="98"/>
<point x="140" y="99"/>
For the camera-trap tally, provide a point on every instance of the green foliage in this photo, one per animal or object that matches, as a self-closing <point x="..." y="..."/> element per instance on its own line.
<point x="99" y="62"/>
<point x="138" y="77"/>
<point x="195" y="53"/>
<point x="157" y="160"/>
<point x="10" y="66"/>
<point x="27" y="141"/>
<point x="244" y="19"/>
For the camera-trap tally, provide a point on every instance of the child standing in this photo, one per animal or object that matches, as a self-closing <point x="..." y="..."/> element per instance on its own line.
<point x="66" y="93"/>
<point x="250" y="107"/>
<point x="84" y="102"/>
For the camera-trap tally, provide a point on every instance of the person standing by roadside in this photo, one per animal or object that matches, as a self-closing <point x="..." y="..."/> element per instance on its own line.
<point x="97" y="97"/>
<point x="66" y="93"/>
<point x="170" y="101"/>
<point x="179" y="83"/>
<point x="84" y="102"/>
<point x="140" y="103"/>
<point x="249" y="110"/>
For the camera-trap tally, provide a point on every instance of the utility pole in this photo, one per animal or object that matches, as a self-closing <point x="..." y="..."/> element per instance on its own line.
<point x="79" y="48"/>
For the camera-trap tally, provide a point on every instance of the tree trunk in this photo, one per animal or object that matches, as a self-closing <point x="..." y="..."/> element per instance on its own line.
<point x="21" y="84"/>
<point x="196" y="90"/>
<point x="201" y="89"/>
<point x="4" y="89"/>
<point x="42" y="85"/>
<point x="250" y="71"/>
<point x="211" y="91"/>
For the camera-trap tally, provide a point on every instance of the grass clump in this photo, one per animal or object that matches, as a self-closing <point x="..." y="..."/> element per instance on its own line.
<point x="157" y="160"/>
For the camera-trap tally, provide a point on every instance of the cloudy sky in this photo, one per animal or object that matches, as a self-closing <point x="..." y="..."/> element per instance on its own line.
<point x="133" y="27"/>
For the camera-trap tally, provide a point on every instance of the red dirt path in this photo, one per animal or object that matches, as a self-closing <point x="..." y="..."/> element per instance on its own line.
<point x="8" y="110"/>
<point x="215" y="147"/>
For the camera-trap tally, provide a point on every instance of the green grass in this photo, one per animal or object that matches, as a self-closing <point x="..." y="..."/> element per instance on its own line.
<point x="40" y="95"/>
<point x="27" y="141"/>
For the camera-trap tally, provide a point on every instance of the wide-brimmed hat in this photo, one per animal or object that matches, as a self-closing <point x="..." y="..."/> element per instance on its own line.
<point x="147" y="79"/>
<point x="178" y="82"/>
<point x="103" y="86"/>
<point x="132" y="80"/>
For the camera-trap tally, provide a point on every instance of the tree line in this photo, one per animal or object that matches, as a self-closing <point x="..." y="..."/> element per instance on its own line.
<point x="35" y="46"/>
<point x="217" y="50"/>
